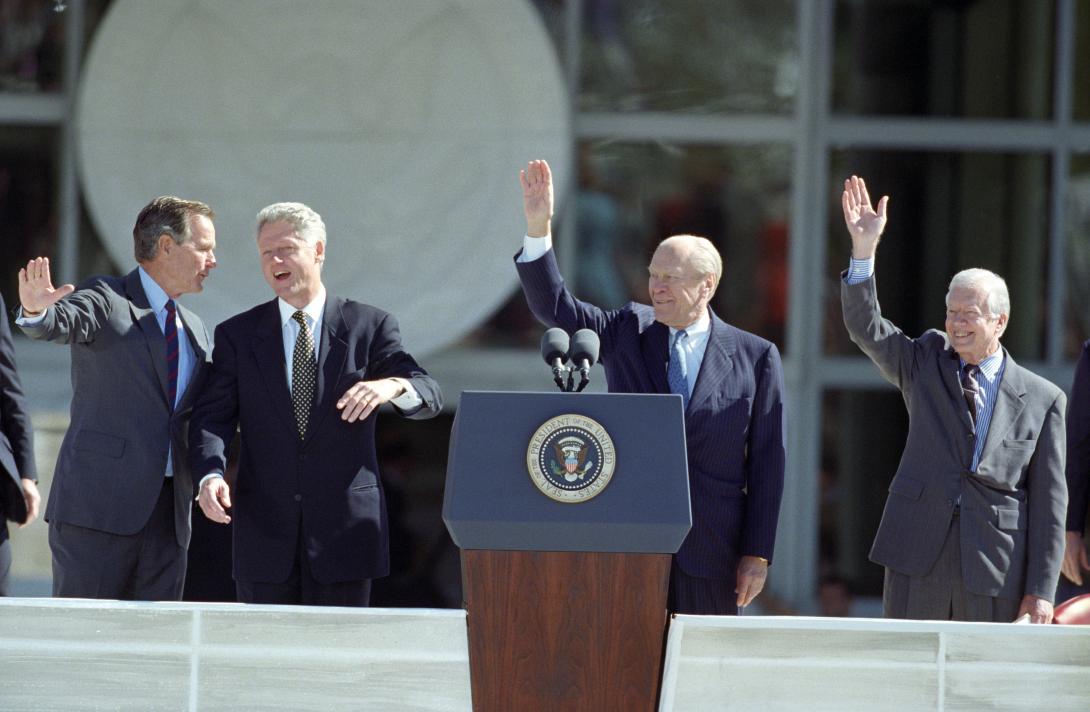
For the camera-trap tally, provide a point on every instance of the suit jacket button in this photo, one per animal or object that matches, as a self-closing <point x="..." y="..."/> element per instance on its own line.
<point x="298" y="498"/>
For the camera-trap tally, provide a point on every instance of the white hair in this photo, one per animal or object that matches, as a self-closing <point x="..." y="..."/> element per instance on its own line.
<point x="994" y="286"/>
<point x="702" y="255"/>
<point x="307" y="223"/>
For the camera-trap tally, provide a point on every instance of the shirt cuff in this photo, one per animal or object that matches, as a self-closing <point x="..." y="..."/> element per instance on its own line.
<point x="859" y="271"/>
<point x="535" y="247"/>
<point x="207" y="477"/>
<point x="21" y="320"/>
<point x="408" y="400"/>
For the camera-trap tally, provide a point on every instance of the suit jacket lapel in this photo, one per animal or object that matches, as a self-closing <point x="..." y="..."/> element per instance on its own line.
<point x="717" y="363"/>
<point x="948" y="372"/>
<point x="268" y="348"/>
<point x="1009" y="403"/>
<point x="332" y="353"/>
<point x="144" y="317"/>
<point x="655" y="345"/>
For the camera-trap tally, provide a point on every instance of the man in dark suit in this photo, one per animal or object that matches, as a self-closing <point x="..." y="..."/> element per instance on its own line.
<point x="19" y="498"/>
<point x="973" y="528"/>
<point x="731" y="382"/>
<point x="122" y="493"/>
<point x="1076" y="561"/>
<point x="301" y="375"/>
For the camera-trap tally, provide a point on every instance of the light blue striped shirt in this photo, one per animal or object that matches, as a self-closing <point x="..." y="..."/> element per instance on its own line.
<point x="991" y="369"/>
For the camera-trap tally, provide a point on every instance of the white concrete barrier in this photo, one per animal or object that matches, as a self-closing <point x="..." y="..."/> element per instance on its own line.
<point x="106" y="655"/>
<point x="813" y="664"/>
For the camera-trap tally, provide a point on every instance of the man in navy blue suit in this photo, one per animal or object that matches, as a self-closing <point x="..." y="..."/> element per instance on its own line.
<point x="731" y="382"/>
<point x="302" y="375"/>
<point x="19" y="498"/>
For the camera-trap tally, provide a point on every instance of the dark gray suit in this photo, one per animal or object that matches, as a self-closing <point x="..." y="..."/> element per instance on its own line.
<point x="1011" y="510"/>
<point x="110" y="471"/>
<point x="16" y="446"/>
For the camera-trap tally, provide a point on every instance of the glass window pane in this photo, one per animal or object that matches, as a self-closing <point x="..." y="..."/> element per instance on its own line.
<point x="632" y="195"/>
<point x="1078" y="256"/>
<point x="947" y="212"/>
<point x="1082" y="60"/>
<point x="28" y="208"/>
<point x="30" y="46"/>
<point x="943" y="58"/>
<point x="863" y="434"/>
<point x="702" y="56"/>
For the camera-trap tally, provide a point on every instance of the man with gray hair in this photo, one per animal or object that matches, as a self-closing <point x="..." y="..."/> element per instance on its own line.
<point x="973" y="528"/>
<point x="302" y="376"/>
<point x="121" y="495"/>
<point x="731" y="384"/>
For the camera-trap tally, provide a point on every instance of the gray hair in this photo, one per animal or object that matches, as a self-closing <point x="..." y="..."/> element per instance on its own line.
<point x="307" y="223"/>
<point x="999" y="299"/>
<point x="166" y="215"/>
<point x="703" y="255"/>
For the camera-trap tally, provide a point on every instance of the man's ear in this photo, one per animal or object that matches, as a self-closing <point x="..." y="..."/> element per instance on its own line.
<point x="166" y="244"/>
<point x="1002" y="324"/>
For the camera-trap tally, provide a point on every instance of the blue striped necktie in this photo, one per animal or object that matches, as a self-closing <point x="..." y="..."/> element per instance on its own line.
<point x="170" y="331"/>
<point x="676" y="375"/>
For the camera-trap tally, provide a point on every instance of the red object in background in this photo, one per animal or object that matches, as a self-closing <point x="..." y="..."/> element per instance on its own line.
<point x="1073" y="611"/>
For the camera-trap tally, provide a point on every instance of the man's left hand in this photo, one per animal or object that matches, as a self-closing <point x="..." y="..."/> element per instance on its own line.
<point x="1039" y="610"/>
<point x="33" y="501"/>
<point x="752" y="572"/>
<point x="361" y="399"/>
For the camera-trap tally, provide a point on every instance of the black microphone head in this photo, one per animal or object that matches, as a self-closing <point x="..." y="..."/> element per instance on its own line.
<point x="584" y="345"/>
<point x="554" y="345"/>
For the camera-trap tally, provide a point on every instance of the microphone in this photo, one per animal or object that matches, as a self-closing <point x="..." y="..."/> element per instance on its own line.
<point x="554" y="349"/>
<point x="584" y="354"/>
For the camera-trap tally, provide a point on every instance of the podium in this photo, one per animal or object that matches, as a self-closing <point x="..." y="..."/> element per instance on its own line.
<point x="567" y="508"/>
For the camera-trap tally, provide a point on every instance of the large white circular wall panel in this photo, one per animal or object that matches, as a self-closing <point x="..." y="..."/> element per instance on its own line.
<point x="404" y="123"/>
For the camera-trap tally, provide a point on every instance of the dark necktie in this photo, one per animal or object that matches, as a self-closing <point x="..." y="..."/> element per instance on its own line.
<point x="304" y="371"/>
<point x="170" y="332"/>
<point x="676" y="368"/>
<point x="970" y="388"/>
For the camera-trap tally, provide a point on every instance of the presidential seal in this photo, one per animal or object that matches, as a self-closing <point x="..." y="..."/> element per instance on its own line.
<point x="571" y="458"/>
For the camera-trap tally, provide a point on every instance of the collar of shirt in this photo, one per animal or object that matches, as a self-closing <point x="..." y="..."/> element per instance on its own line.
<point x="990" y="365"/>
<point x="157" y="296"/>
<point x="313" y="310"/>
<point x="698" y="331"/>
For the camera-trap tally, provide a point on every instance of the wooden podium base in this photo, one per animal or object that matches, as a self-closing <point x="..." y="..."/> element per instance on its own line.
<point x="560" y="631"/>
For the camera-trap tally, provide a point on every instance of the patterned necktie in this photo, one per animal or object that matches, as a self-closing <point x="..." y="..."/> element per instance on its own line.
<point x="170" y="332"/>
<point x="304" y="371"/>
<point x="676" y="370"/>
<point x="970" y="388"/>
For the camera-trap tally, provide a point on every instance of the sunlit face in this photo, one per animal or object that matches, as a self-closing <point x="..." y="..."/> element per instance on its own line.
<point x="679" y="293"/>
<point x="291" y="267"/>
<point x="184" y="267"/>
<point x="971" y="327"/>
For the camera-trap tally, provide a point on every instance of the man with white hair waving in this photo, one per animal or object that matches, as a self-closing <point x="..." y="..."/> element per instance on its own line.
<point x="973" y="528"/>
